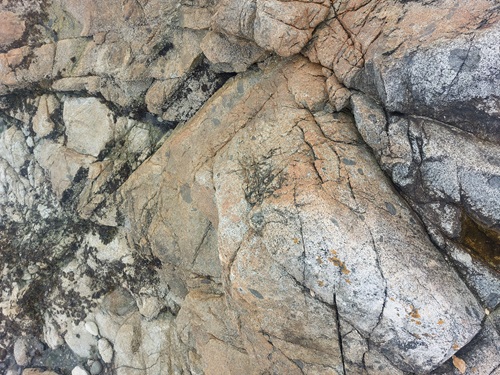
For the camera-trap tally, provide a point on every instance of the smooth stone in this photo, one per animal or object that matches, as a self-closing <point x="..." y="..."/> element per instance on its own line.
<point x="78" y="370"/>
<point x="91" y="328"/>
<point x="96" y="368"/>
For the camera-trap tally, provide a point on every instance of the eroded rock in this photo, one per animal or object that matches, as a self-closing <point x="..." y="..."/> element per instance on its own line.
<point x="89" y="125"/>
<point x="199" y="187"/>
<point x="12" y="28"/>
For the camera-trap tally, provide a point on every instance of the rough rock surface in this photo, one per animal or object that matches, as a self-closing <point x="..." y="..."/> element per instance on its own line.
<point x="249" y="187"/>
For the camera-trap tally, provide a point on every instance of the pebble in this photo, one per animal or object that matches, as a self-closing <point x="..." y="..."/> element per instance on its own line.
<point x="21" y="354"/>
<point x="78" y="370"/>
<point x="105" y="350"/>
<point x="96" y="368"/>
<point x="91" y="328"/>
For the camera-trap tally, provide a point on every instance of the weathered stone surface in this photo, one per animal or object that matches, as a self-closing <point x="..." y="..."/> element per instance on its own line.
<point x="457" y="74"/>
<point x="285" y="27"/>
<point x="105" y="350"/>
<point x="249" y="187"/>
<point x="234" y="55"/>
<point x="485" y="346"/>
<point x="447" y="174"/>
<point x="11" y="29"/>
<point x="196" y="18"/>
<point x="89" y="125"/>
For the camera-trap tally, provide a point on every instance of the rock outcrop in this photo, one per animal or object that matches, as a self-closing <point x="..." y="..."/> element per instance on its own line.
<point x="249" y="187"/>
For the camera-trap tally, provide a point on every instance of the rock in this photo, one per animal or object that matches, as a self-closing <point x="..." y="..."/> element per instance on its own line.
<point x="80" y="341"/>
<point x="40" y="67"/>
<point x="386" y="302"/>
<point x="132" y="343"/>
<point x="236" y="18"/>
<point x="51" y="334"/>
<point x="91" y="328"/>
<point x="105" y="350"/>
<point x="193" y="92"/>
<point x="22" y="352"/>
<point x="149" y="307"/>
<point x="60" y="163"/>
<point x="416" y="152"/>
<point x="482" y="357"/>
<point x="95" y="368"/>
<point x="79" y="370"/>
<point x="12" y="28"/>
<point x="90" y="84"/>
<point x="371" y="122"/>
<point x="315" y="278"/>
<point x="158" y="94"/>
<point x="119" y="302"/>
<point x="89" y="125"/>
<point x="195" y="18"/>
<point x="338" y="94"/>
<point x="465" y="70"/>
<point x="286" y="27"/>
<point x="36" y="371"/>
<point x="42" y="123"/>
<point x="234" y="55"/>
<point x="279" y="26"/>
<point x="13" y="146"/>
<point x="257" y="186"/>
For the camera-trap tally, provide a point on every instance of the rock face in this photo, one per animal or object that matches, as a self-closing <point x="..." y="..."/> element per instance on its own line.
<point x="249" y="187"/>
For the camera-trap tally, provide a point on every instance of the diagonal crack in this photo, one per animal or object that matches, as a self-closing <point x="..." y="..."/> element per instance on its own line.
<point x="198" y="248"/>
<point x="339" y="332"/>
<point x="460" y="68"/>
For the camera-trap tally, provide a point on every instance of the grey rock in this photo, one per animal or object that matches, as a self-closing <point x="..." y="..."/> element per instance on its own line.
<point x="95" y="368"/>
<point x="371" y="122"/>
<point x="80" y="341"/>
<point x="459" y="74"/>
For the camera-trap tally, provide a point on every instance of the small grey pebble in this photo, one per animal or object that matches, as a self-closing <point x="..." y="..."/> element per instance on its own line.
<point x="96" y="368"/>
